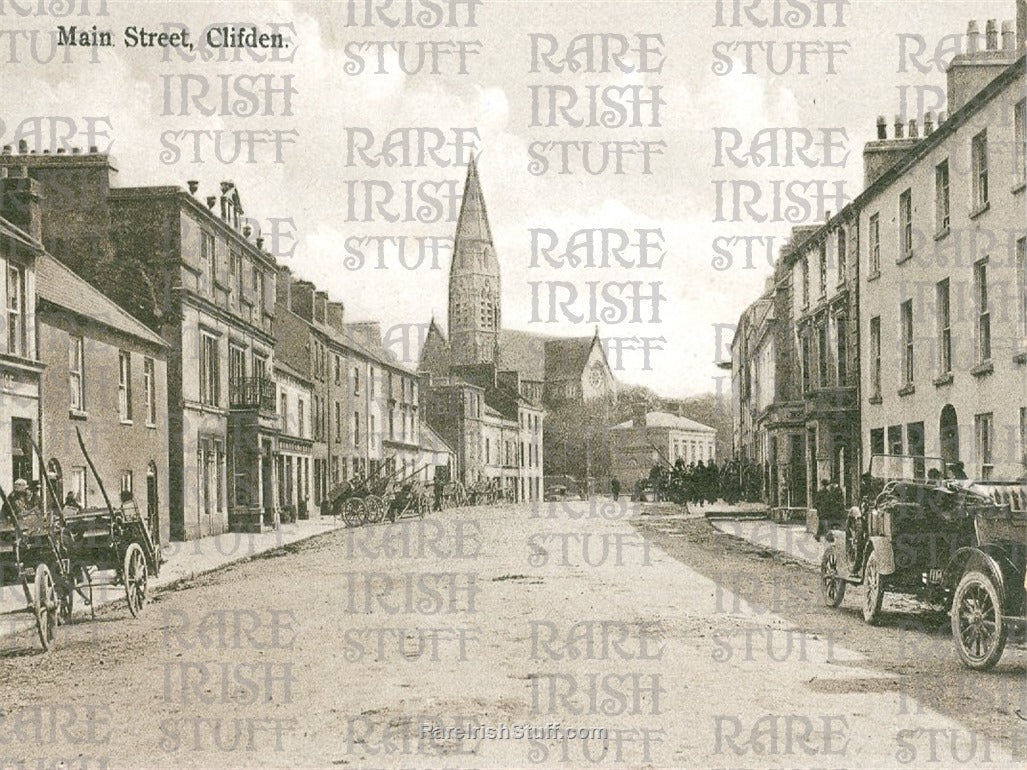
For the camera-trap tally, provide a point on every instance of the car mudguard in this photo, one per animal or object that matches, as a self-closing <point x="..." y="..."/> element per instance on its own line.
<point x="993" y="560"/>
<point x="885" y="555"/>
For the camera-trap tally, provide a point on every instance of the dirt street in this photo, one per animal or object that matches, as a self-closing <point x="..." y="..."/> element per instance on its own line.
<point x="493" y="637"/>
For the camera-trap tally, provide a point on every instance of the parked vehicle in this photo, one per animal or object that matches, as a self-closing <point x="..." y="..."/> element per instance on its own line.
<point x="944" y="539"/>
<point x="57" y="552"/>
<point x="989" y="579"/>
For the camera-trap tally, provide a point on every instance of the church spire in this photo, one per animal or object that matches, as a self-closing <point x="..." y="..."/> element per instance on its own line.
<point x="474" y="311"/>
<point x="473" y="233"/>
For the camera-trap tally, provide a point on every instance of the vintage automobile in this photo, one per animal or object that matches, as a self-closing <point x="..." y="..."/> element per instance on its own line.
<point x="917" y="530"/>
<point x="989" y="578"/>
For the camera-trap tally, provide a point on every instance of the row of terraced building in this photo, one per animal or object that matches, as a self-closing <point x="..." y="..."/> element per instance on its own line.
<point x="899" y="325"/>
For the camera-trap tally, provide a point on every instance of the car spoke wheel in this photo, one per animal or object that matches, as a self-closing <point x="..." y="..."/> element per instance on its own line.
<point x="46" y="607"/>
<point x="832" y="588"/>
<point x="134" y="573"/>
<point x="874" y="583"/>
<point x="977" y="625"/>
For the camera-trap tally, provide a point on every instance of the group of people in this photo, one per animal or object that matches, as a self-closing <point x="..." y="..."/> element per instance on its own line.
<point x="697" y="483"/>
<point x="26" y="496"/>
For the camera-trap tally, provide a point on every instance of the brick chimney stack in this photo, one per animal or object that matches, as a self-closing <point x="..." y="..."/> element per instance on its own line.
<point x="321" y="307"/>
<point x="336" y="317"/>
<point x="20" y="198"/>
<point x="283" y="287"/>
<point x="982" y="60"/>
<point x="883" y="153"/>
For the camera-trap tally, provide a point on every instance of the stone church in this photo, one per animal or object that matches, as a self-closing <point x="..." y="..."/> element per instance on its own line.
<point x="559" y="375"/>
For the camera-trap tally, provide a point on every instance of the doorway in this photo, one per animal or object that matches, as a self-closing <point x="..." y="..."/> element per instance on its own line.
<point x="152" y="516"/>
<point x="948" y="432"/>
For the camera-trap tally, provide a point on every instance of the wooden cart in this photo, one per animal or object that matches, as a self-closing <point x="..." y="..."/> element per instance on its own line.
<point x="56" y="553"/>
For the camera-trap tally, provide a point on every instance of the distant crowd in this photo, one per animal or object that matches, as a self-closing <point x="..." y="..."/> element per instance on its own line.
<point x="700" y="483"/>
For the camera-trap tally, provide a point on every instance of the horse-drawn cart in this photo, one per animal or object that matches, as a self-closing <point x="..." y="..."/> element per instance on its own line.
<point x="410" y="496"/>
<point x="57" y="552"/>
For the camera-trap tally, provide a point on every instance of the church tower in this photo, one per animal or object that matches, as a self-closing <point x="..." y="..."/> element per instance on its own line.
<point x="474" y="313"/>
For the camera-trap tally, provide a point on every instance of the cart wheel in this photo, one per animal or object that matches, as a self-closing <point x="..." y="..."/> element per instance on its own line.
<point x="376" y="509"/>
<point x="353" y="512"/>
<point x="134" y="573"/>
<point x="874" y="583"/>
<point x="46" y="607"/>
<point x="977" y="625"/>
<point x="832" y="588"/>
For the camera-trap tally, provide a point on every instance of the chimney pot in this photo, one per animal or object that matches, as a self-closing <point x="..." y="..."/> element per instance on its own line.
<point x="46" y="152"/>
<point x="942" y="117"/>
<point x="972" y="37"/>
<point x="898" y="126"/>
<point x="76" y="150"/>
<point x="260" y="243"/>
<point x="914" y="132"/>
<point x="1008" y="37"/>
<point x="93" y="149"/>
<point x="225" y="187"/>
<point x="246" y="230"/>
<point x="7" y="149"/>
<point x="211" y="200"/>
<point x="61" y="151"/>
<point x="23" y="146"/>
<point x="193" y="186"/>
<point x="882" y="127"/>
<point x="928" y="123"/>
<point x="991" y="35"/>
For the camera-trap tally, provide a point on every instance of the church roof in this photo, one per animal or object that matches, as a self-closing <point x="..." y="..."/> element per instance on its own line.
<point x="541" y="358"/>
<point x="523" y="352"/>
<point x="566" y="357"/>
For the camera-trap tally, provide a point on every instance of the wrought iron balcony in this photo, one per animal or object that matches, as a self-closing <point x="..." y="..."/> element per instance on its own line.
<point x="252" y="393"/>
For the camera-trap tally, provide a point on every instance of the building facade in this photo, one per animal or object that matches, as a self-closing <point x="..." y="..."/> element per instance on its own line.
<point x="20" y="367"/>
<point x="658" y="437"/>
<point x="825" y="269"/>
<point x="944" y="283"/>
<point x="195" y="272"/>
<point x="919" y="286"/>
<point x="106" y="379"/>
<point x="294" y="460"/>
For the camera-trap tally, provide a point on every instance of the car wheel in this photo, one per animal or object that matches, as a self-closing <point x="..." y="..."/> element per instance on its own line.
<point x="832" y="588"/>
<point x="977" y="625"/>
<point x="874" y="583"/>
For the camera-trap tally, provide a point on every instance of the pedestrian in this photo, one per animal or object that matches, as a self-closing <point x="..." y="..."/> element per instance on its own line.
<point x="615" y="488"/>
<point x="821" y="503"/>
<point x="439" y="487"/>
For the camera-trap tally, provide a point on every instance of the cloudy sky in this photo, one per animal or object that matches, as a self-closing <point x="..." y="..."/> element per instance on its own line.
<point x="331" y="89"/>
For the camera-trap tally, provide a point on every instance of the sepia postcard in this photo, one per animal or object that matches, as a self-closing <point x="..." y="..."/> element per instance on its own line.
<point x="513" y="384"/>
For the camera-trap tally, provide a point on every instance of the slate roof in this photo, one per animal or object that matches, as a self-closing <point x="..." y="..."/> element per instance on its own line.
<point x="566" y="357"/>
<point x="668" y="420"/>
<point x="59" y="286"/>
<point x="524" y="352"/>
<point x="432" y="441"/>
